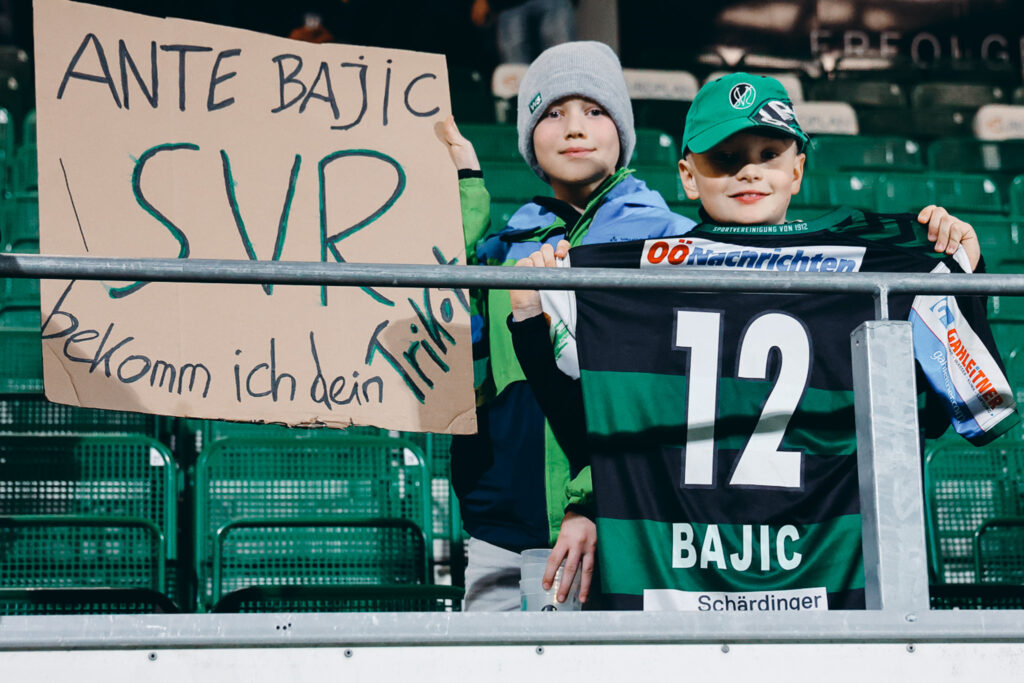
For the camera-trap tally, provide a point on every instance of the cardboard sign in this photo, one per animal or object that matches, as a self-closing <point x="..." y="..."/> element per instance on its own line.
<point x="177" y="139"/>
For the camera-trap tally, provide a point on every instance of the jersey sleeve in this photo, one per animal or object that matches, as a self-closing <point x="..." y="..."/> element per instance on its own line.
<point x="559" y="307"/>
<point x="956" y="352"/>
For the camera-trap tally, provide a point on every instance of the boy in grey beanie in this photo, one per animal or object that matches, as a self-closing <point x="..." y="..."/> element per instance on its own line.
<point x="587" y="69"/>
<point x="516" y="487"/>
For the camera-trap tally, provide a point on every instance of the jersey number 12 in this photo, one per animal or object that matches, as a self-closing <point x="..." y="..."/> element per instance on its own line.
<point x="761" y="463"/>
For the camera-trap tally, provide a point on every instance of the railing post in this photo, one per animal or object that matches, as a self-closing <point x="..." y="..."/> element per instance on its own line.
<point x="889" y="467"/>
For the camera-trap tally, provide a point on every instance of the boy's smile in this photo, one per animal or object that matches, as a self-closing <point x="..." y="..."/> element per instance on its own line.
<point x="577" y="146"/>
<point x="748" y="178"/>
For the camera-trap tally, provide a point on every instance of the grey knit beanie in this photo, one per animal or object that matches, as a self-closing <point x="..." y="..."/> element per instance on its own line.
<point x="586" y="68"/>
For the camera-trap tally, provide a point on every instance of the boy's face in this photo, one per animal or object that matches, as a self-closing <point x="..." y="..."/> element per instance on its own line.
<point x="747" y="179"/>
<point x="577" y="145"/>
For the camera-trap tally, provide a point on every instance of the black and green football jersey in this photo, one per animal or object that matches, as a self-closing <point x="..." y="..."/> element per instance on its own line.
<point x="721" y="425"/>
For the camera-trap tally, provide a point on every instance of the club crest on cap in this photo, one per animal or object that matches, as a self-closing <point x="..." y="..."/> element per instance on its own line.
<point x="742" y="96"/>
<point x="535" y="102"/>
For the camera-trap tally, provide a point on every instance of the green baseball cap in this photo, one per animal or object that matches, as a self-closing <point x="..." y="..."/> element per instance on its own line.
<point x="737" y="102"/>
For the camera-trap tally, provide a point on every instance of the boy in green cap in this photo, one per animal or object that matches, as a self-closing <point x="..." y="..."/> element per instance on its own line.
<point x="719" y="426"/>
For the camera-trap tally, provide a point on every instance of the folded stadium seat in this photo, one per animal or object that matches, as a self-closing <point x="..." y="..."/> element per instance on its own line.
<point x="447" y="526"/>
<point x="827" y="118"/>
<point x="859" y="93"/>
<point x="95" y="511"/>
<point x="493" y="142"/>
<point x="319" y="484"/>
<point x="956" y="95"/>
<point x="999" y="551"/>
<point x="449" y="536"/>
<point x="28" y="129"/>
<point x="864" y="152"/>
<point x="654" y="147"/>
<point x="325" y="564"/>
<point x="823" y="190"/>
<point x="25" y="175"/>
<point x="664" y="179"/>
<point x="513" y="181"/>
<point x="472" y="101"/>
<point x="19" y="302"/>
<point x="898" y="192"/>
<point x="664" y="115"/>
<point x="7" y="130"/>
<point x="892" y="121"/>
<point x="15" y="93"/>
<point x="78" y="551"/>
<point x="966" y="486"/>
<point x="1002" y="160"/>
<point x="501" y="212"/>
<point x="689" y="209"/>
<point x="1000" y="239"/>
<point x="1017" y="197"/>
<point x="19" y="221"/>
<point x="970" y="155"/>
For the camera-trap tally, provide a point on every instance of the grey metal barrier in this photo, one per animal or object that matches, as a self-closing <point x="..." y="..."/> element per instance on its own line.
<point x="889" y="464"/>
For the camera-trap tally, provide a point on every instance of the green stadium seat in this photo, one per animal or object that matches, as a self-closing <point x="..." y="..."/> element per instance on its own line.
<point x="664" y="115"/>
<point x="864" y="152"/>
<point x="955" y="191"/>
<point x="21" y="361"/>
<point x="1017" y="197"/>
<point x="689" y="209"/>
<point x="289" y="599"/>
<point x="267" y="481"/>
<point x="829" y="189"/>
<point x="7" y="130"/>
<point x="19" y="289"/>
<point x="501" y="212"/>
<point x="976" y="596"/>
<point x="968" y="155"/>
<point x="1009" y="336"/>
<point x="472" y="101"/>
<point x="79" y="551"/>
<point x="15" y="92"/>
<point x="968" y="95"/>
<point x="446" y="522"/>
<point x="28" y="129"/>
<point x="493" y="142"/>
<point x="859" y="93"/>
<point x="513" y="181"/>
<point x="329" y="556"/>
<point x="664" y="180"/>
<point x="965" y="487"/>
<point x="20" y="313"/>
<point x="999" y="551"/>
<point x="655" y="147"/>
<point x="19" y="221"/>
<point x="104" y="482"/>
<point x="919" y="124"/>
<point x="24" y="602"/>
<point x="999" y="238"/>
<point x="25" y="177"/>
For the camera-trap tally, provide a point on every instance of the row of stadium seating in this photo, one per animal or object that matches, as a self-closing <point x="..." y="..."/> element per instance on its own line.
<point x="91" y="500"/>
<point x="912" y="107"/>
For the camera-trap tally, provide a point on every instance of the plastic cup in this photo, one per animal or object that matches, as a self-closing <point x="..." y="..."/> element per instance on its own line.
<point x="533" y="596"/>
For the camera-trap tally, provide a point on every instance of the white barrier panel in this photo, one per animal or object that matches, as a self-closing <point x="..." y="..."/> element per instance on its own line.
<point x="834" y="118"/>
<point x="999" y="122"/>
<point x="803" y="663"/>
<point x="643" y="84"/>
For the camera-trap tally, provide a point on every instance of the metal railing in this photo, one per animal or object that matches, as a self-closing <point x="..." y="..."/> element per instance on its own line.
<point x="888" y="459"/>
